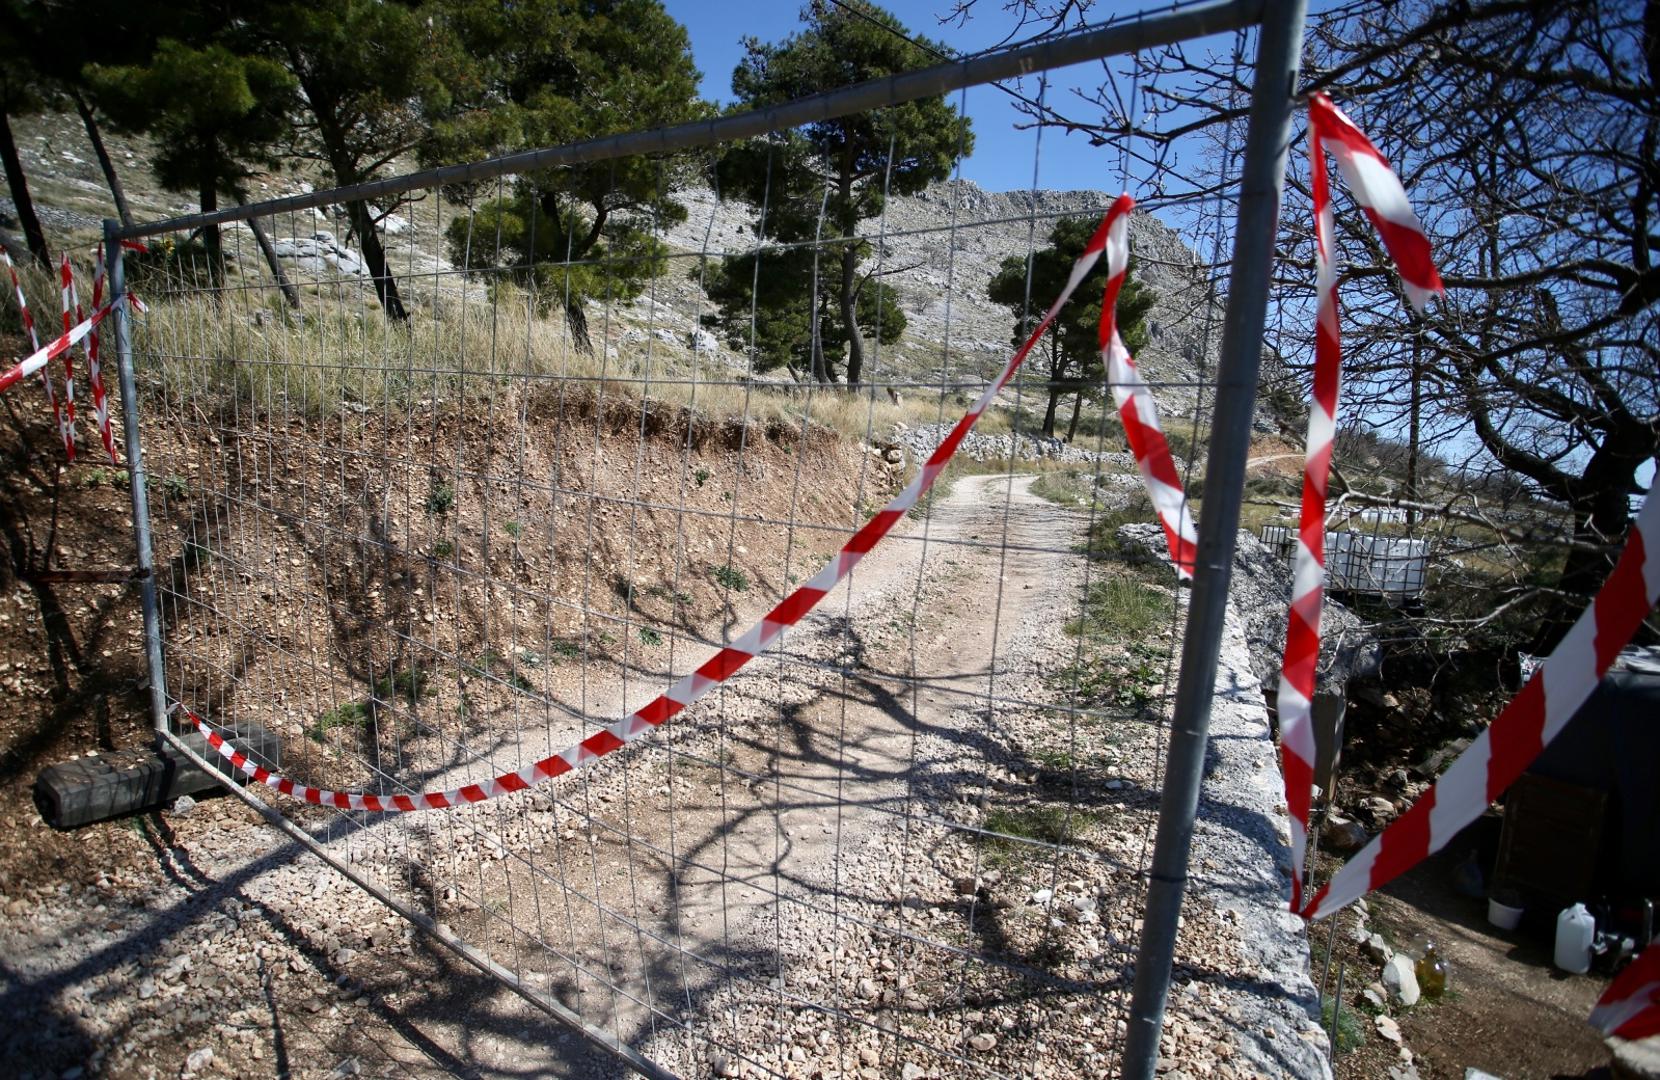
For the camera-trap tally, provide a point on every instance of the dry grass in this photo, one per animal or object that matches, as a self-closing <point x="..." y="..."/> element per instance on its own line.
<point x="339" y="352"/>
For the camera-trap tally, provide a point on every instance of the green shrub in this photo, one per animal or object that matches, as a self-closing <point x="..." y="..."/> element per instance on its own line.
<point x="352" y="714"/>
<point x="1349" y="1032"/>
<point x="1121" y="609"/>
<point x="440" y="499"/>
<point x="730" y="577"/>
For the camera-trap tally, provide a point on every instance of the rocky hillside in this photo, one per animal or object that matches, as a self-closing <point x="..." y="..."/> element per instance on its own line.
<point x="944" y="246"/>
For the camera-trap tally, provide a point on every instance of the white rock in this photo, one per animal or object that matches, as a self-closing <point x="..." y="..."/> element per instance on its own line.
<point x="1401" y="981"/>
<point x="982" y="1040"/>
<point x="1042" y="896"/>
<point x="199" y="1059"/>
<point x="1377" y="949"/>
<point x="1387" y="1028"/>
<point x="183" y="805"/>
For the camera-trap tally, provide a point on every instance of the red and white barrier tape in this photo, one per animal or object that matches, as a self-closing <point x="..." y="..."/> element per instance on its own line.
<point x="66" y="421"/>
<point x="724" y="664"/>
<point x="38" y="360"/>
<point x="1630" y="1007"/>
<point x="1380" y="193"/>
<point x="1136" y="407"/>
<point x="34" y="344"/>
<point x="94" y="369"/>
<point x="1533" y="718"/>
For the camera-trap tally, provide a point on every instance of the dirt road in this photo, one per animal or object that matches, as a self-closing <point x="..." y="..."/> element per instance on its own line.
<point x="790" y="879"/>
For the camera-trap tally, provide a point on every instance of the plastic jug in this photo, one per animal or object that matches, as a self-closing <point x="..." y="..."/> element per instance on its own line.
<point x="1574" y="931"/>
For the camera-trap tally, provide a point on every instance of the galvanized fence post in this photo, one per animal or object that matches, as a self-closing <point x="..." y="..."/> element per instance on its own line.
<point x="1279" y="44"/>
<point x="135" y="470"/>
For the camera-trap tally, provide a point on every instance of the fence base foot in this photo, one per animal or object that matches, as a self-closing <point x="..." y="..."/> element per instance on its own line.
<point x="99" y="787"/>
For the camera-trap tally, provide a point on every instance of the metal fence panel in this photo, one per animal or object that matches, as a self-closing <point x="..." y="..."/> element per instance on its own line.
<point x="912" y="839"/>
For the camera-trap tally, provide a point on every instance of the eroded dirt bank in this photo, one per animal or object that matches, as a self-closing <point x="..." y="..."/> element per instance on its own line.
<point x="808" y="837"/>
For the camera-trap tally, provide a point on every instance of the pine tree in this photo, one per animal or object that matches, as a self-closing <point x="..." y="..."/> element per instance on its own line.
<point x="214" y="115"/>
<point x="845" y="166"/>
<point x="552" y="72"/>
<point x="1073" y="341"/>
<point x="371" y="76"/>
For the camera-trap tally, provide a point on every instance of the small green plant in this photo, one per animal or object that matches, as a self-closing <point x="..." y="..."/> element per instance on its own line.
<point x="409" y="684"/>
<point x="99" y="475"/>
<point x="566" y="649"/>
<point x="1048" y="824"/>
<point x="440" y="499"/>
<point x="730" y="577"/>
<point x="702" y="476"/>
<point x="1126" y="682"/>
<point x="1057" y="760"/>
<point x="1006" y="828"/>
<point x="353" y="714"/>
<point x="1121" y="609"/>
<point x="650" y="636"/>
<point x="514" y="529"/>
<point x="529" y="659"/>
<point x="443" y="549"/>
<point x="176" y="487"/>
<point x="1349" y="1033"/>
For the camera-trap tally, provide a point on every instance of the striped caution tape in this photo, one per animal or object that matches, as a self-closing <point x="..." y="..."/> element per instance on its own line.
<point x="34" y="343"/>
<point x="1378" y="190"/>
<point x="1630" y="1007"/>
<point x="94" y="367"/>
<point x="1546" y="703"/>
<point x="66" y="419"/>
<point x="65" y="341"/>
<point x="729" y="660"/>
<point x="1136" y="409"/>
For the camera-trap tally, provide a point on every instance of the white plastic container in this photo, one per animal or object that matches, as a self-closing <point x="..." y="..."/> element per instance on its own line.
<point x="1575" y="929"/>
<point x="1503" y="916"/>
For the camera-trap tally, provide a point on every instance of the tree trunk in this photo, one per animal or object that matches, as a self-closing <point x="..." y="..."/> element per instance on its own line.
<point x="1414" y="420"/>
<point x="344" y="166"/>
<point x="1055" y="387"/>
<point x="210" y="233"/>
<point x="104" y="162"/>
<point x="576" y="321"/>
<point x="1072" y="425"/>
<point x="374" y="257"/>
<point x="20" y="195"/>
<point x="850" y="316"/>
<point x="1055" y="392"/>
<point x="1601" y="507"/>
<point x="289" y="291"/>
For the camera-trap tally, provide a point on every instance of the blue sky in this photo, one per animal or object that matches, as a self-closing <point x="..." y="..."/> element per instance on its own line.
<point x="1002" y="158"/>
